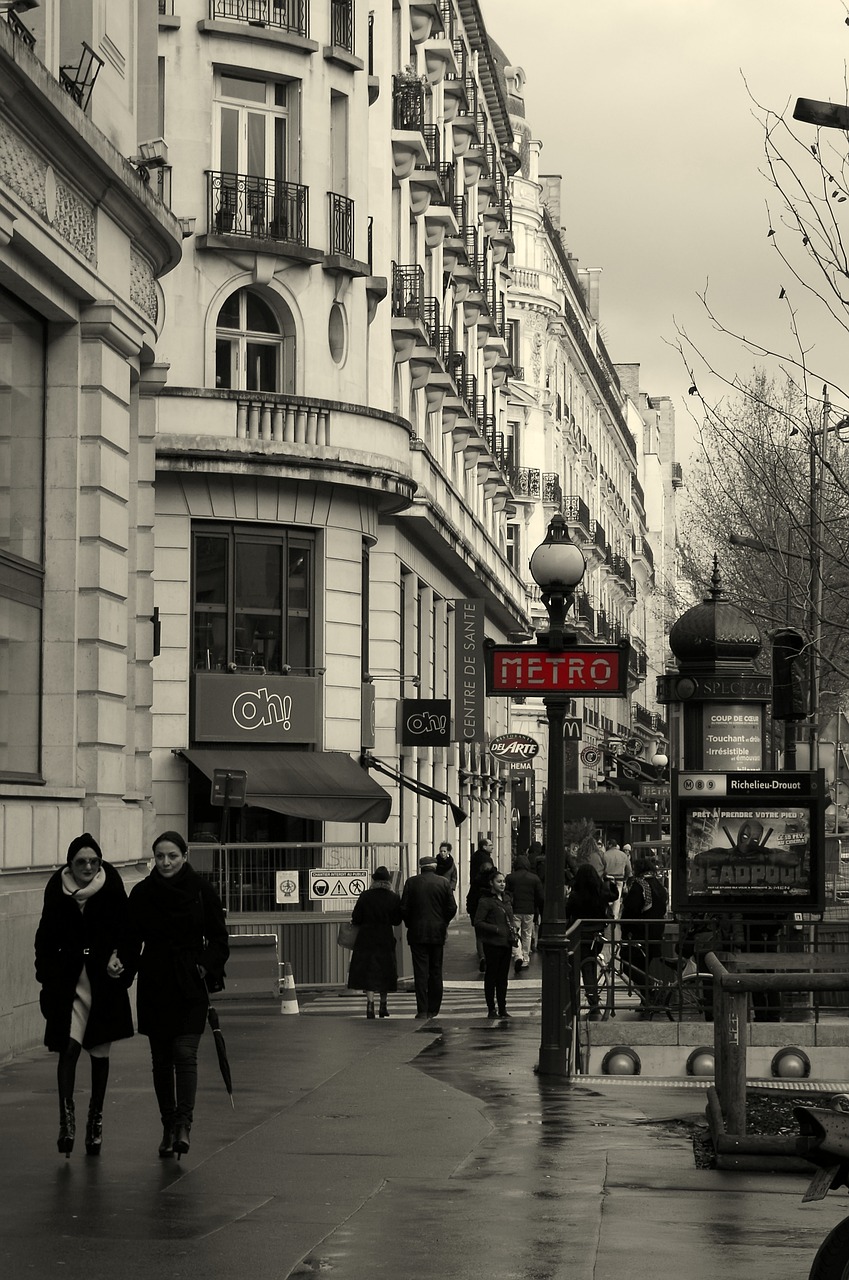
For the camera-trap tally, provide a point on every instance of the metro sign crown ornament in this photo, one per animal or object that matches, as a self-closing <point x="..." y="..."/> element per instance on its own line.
<point x="589" y="671"/>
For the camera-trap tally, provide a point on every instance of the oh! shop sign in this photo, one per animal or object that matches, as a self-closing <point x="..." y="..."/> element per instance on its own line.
<point x="241" y="707"/>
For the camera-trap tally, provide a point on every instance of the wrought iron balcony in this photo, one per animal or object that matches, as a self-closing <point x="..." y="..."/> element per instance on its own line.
<point x="460" y="213"/>
<point x="642" y="715"/>
<point x="341" y="211"/>
<point x="622" y="568"/>
<point x="551" y="488"/>
<point x="457" y="368"/>
<point x="526" y="482"/>
<point x="576" y="512"/>
<point x="430" y="315"/>
<point x="445" y="347"/>
<point x="239" y="204"/>
<point x="461" y="60"/>
<point x="449" y="22"/>
<point x="600" y="537"/>
<point x="283" y="15"/>
<point x="408" y="291"/>
<point x="342" y="24"/>
<point x="79" y="78"/>
<point x="445" y="192"/>
<point x="408" y="103"/>
<point x="586" y="613"/>
<point x="468" y="388"/>
<point x="642" y="547"/>
<point x="434" y="148"/>
<point x="19" y="30"/>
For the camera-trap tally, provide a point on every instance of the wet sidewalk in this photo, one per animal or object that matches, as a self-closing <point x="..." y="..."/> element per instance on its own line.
<point x="390" y="1148"/>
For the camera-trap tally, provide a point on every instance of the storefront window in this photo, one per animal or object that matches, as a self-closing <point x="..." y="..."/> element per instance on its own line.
<point x="252" y="600"/>
<point x="22" y="375"/>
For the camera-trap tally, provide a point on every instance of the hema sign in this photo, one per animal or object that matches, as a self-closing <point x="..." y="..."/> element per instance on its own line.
<point x="255" y="708"/>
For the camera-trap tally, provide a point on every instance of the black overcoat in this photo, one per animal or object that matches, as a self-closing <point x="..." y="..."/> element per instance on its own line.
<point x="179" y="924"/>
<point x="68" y="938"/>
<point x="374" y="966"/>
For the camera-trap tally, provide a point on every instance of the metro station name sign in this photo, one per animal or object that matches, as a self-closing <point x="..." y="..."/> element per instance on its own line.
<point x="590" y="671"/>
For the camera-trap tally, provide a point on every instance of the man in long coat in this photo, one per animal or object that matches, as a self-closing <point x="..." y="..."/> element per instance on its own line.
<point x="427" y="906"/>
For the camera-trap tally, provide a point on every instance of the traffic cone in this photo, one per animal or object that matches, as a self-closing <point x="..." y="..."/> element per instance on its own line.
<point x="290" y="995"/>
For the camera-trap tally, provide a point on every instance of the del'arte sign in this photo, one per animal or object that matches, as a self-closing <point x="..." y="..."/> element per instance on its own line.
<point x="514" y="746"/>
<point x="241" y="707"/>
<point x="469" y="685"/>
<point x="585" y="670"/>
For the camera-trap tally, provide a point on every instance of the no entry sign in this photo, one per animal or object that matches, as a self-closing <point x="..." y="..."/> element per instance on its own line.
<point x="579" y="671"/>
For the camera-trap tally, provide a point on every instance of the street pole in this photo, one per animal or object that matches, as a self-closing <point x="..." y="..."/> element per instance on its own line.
<point x="557" y="566"/>
<point x="555" y="1041"/>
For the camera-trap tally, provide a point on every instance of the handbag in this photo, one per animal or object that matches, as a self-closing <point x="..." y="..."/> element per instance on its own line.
<point x="347" y="934"/>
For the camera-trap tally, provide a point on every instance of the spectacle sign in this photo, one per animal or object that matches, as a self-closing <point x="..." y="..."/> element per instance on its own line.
<point x="579" y="670"/>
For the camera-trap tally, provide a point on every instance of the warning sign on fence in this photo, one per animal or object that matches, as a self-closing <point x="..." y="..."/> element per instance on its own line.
<point x="336" y="884"/>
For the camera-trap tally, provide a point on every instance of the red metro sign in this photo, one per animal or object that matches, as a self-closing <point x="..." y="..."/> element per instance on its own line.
<point x="589" y="671"/>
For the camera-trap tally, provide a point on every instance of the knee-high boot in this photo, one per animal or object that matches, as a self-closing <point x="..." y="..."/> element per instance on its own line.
<point x="65" y="1078"/>
<point x="94" y="1125"/>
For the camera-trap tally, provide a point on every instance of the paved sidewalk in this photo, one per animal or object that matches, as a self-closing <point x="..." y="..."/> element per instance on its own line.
<point x="387" y="1149"/>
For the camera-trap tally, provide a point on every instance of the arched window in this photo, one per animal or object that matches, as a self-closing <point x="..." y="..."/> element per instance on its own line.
<point x="254" y="349"/>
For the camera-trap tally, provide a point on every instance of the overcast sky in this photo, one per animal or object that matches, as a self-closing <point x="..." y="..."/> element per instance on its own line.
<point x="641" y="105"/>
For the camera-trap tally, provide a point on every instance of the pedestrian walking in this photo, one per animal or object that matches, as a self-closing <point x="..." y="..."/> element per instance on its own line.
<point x="179" y="922"/>
<point x="445" y="864"/>
<point x="482" y="853"/>
<point x="495" y="924"/>
<point x="590" y="901"/>
<point x="591" y="853"/>
<point x="84" y="961"/>
<point x="643" y="924"/>
<point x="619" y="868"/>
<point x="479" y="884"/>
<point x="526" y="894"/>
<point x="374" y="966"/>
<point x="427" y="906"/>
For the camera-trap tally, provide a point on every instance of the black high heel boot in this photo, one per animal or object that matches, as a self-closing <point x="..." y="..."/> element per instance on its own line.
<point x="94" y="1133"/>
<point x="181" y="1138"/>
<point x="383" y="1011"/>
<point x="166" y="1146"/>
<point x="67" y="1127"/>
<point x="369" y="1008"/>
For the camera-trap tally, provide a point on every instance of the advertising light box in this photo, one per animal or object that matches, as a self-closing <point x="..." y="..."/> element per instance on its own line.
<point x="750" y="842"/>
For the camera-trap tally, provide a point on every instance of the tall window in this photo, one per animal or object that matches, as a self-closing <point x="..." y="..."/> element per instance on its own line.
<point x="253" y="599"/>
<point x="252" y="351"/>
<point x="22" y="378"/>
<point x="254" y="119"/>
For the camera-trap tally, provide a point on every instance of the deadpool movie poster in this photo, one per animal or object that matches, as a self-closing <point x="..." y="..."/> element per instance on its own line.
<point x="748" y="852"/>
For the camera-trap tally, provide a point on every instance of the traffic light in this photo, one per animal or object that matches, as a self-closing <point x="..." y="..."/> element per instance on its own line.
<point x="789" y="675"/>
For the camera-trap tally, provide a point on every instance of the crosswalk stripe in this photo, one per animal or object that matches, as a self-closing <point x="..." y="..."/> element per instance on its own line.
<point x="456" y="1003"/>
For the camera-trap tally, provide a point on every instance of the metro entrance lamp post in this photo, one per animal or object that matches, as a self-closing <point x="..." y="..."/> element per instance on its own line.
<point x="557" y="566"/>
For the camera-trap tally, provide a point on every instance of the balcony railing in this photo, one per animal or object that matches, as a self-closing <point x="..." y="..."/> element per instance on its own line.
<point x="432" y="142"/>
<point x="445" y="194"/>
<point x="239" y="204"/>
<point x="283" y="15"/>
<point x="446" y="13"/>
<point x="586" y="612"/>
<point x="408" y="104"/>
<point x="552" y="490"/>
<point x="526" y="482"/>
<point x="20" y="31"/>
<point x="576" y="511"/>
<point x="430" y="315"/>
<point x="637" y="491"/>
<point x="469" y="391"/>
<point x="459" y="207"/>
<point x="460" y="59"/>
<point x="79" y="79"/>
<point x="622" y="569"/>
<point x="642" y="715"/>
<point x="600" y="537"/>
<point x="342" y="24"/>
<point x="408" y="291"/>
<point x="166" y="8"/>
<point x="341" y="211"/>
<point x="445" y="347"/>
<point x="642" y="547"/>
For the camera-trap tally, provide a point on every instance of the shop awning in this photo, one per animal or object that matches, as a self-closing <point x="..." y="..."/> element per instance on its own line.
<point x="326" y="786"/>
<point x="420" y="788"/>
<point x="603" y="806"/>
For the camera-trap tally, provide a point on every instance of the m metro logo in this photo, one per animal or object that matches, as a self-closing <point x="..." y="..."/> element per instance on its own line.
<point x="578" y="671"/>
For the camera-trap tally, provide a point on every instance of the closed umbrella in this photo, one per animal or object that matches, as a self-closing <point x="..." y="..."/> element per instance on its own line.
<point x="221" y="1050"/>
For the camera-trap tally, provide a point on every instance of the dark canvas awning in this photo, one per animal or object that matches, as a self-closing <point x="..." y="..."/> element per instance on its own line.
<point x="326" y="786"/>
<point x="603" y="806"/>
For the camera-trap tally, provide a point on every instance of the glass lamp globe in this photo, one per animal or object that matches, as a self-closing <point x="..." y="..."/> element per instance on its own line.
<point x="557" y="563"/>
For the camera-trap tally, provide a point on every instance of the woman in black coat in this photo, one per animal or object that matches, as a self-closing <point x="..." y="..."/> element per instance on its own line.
<point x="374" y="968"/>
<point x="84" y="961"/>
<point x="179" y="921"/>
<point x="496" y="928"/>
